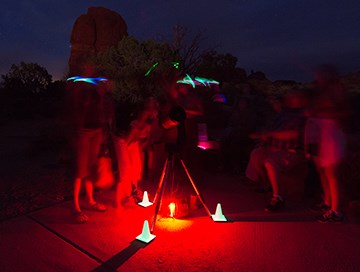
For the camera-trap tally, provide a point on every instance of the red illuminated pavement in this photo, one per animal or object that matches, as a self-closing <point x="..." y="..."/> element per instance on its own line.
<point x="253" y="240"/>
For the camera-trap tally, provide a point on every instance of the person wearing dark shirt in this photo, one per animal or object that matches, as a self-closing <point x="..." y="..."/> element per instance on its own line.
<point x="280" y="148"/>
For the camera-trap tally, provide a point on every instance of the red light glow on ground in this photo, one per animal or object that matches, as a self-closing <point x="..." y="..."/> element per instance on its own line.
<point x="173" y="224"/>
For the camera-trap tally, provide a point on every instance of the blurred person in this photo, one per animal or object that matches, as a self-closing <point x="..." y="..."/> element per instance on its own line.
<point x="131" y="133"/>
<point x="216" y="113"/>
<point x="325" y="140"/>
<point x="190" y="101"/>
<point x="89" y="119"/>
<point x="237" y="145"/>
<point x="213" y="129"/>
<point x="280" y="148"/>
<point x="276" y="104"/>
<point x="149" y="137"/>
<point x="255" y="171"/>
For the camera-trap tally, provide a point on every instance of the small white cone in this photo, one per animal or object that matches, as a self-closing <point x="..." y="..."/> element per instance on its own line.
<point x="218" y="216"/>
<point x="145" y="236"/>
<point x="145" y="202"/>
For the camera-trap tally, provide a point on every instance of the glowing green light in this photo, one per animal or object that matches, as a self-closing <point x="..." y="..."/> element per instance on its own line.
<point x="201" y="80"/>
<point x="197" y="81"/>
<point x="187" y="80"/>
<point x="190" y="80"/>
<point x="151" y="68"/>
<point x="206" y="81"/>
<point x="91" y="80"/>
<point x="176" y="64"/>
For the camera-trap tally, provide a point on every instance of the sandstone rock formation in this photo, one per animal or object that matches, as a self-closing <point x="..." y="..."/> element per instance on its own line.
<point x="94" y="32"/>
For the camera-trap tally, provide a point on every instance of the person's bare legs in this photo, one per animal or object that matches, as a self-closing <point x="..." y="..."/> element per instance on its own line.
<point x="325" y="187"/>
<point x="255" y="169"/>
<point x="273" y="166"/>
<point x="93" y="153"/>
<point x="123" y="191"/>
<point x="335" y="214"/>
<point x="334" y="187"/>
<point x="80" y="217"/>
<point x="77" y="187"/>
<point x="136" y="162"/>
<point x="324" y="183"/>
<point x="123" y="187"/>
<point x="89" y="188"/>
<point x="81" y="145"/>
<point x="274" y="177"/>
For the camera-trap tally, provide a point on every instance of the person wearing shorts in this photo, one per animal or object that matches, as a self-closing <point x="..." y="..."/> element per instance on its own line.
<point x="88" y="117"/>
<point x="281" y="148"/>
<point x="325" y="140"/>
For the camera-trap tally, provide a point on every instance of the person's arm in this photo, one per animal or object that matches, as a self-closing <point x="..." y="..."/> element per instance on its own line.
<point x="194" y="112"/>
<point x="284" y="134"/>
<point x="137" y="128"/>
<point x="134" y="133"/>
<point x="261" y="136"/>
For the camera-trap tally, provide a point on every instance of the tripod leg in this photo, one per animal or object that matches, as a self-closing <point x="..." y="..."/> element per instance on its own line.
<point x="172" y="176"/>
<point x="161" y="180"/>
<point x="160" y="192"/>
<point x="194" y="186"/>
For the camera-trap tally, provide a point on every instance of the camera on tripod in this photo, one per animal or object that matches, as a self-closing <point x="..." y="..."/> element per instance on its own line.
<point x="177" y="115"/>
<point x="176" y="118"/>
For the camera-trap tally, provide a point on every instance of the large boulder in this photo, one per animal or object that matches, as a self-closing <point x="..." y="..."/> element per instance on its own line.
<point x="94" y="32"/>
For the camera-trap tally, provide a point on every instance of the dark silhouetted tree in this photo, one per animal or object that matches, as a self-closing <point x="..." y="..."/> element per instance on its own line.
<point x="26" y="78"/>
<point x="138" y="68"/>
<point x="23" y="91"/>
<point x="188" y="49"/>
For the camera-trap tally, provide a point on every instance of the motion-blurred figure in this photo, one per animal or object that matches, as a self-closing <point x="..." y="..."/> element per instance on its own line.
<point x="325" y="141"/>
<point x="89" y="117"/>
<point x="132" y="133"/>
<point x="236" y="144"/>
<point x="280" y="149"/>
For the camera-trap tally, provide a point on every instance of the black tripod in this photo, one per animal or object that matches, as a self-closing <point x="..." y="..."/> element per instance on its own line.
<point x="167" y="175"/>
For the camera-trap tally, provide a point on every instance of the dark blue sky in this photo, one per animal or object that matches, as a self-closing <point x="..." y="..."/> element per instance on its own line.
<point x="285" y="39"/>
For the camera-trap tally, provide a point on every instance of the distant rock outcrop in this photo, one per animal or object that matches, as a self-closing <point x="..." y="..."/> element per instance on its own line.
<point x="94" y="32"/>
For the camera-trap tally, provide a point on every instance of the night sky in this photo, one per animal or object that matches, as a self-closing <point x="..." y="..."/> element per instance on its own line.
<point x="285" y="39"/>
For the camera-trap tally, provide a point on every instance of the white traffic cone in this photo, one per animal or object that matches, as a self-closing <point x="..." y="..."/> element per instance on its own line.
<point x="218" y="216"/>
<point x="145" y="202"/>
<point x="145" y="236"/>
